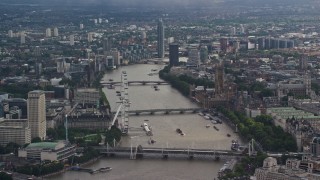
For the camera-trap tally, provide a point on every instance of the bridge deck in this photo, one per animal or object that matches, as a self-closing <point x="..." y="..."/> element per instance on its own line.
<point x="135" y="82"/>
<point x="164" y="110"/>
<point x="173" y="152"/>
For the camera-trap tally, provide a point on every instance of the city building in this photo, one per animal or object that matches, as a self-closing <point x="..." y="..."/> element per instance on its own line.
<point x="298" y="87"/>
<point x="143" y="36"/>
<point x="203" y="53"/>
<point x="242" y="29"/>
<point x="81" y="26"/>
<point x="110" y="62"/>
<point x="90" y="37"/>
<point x="174" y="54"/>
<point x="160" y="31"/>
<point x="37" y="114"/>
<point x="10" y="34"/>
<point x="116" y="56"/>
<point x="87" y="96"/>
<point x="233" y="31"/>
<point x="22" y="37"/>
<point x="272" y="171"/>
<point x="261" y="43"/>
<point x="14" y="130"/>
<point x="48" y="32"/>
<point x="223" y="44"/>
<point x="193" y="57"/>
<point x="315" y="147"/>
<point x="37" y="51"/>
<point x="107" y="44"/>
<point x="219" y="79"/>
<point x="294" y="169"/>
<point x="15" y="105"/>
<point x="55" y="32"/>
<point x="60" y="65"/>
<point x="71" y="40"/>
<point x="48" y="151"/>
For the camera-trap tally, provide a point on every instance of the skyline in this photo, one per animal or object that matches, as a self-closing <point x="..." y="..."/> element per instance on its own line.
<point x="160" y="4"/>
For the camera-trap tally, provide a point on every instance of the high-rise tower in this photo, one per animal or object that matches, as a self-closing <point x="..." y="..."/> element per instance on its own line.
<point x="219" y="79"/>
<point x="48" y="32"/>
<point x="107" y="44"/>
<point x="37" y="114"/>
<point x="22" y="37"/>
<point x="55" y="32"/>
<point x="160" y="39"/>
<point x="10" y="33"/>
<point x="174" y="54"/>
<point x="71" y="40"/>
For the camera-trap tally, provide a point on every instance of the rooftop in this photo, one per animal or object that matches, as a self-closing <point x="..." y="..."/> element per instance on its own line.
<point x="87" y="90"/>
<point x="53" y="146"/>
<point x="42" y="145"/>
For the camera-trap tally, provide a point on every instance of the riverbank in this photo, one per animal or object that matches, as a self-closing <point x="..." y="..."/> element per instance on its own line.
<point x="88" y="163"/>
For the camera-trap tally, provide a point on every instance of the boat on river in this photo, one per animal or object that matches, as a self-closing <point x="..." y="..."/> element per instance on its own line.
<point x="215" y="127"/>
<point x="105" y="169"/>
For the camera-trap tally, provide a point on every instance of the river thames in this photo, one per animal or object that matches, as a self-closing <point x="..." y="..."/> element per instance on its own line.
<point x="197" y="135"/>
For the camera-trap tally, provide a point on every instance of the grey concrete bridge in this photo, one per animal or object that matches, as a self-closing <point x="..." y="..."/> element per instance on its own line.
<point x="164" y="111"/>
<point x="136" y="83"/>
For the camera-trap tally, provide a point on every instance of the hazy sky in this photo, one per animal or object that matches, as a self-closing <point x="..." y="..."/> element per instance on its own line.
<point x="163" y="3"/>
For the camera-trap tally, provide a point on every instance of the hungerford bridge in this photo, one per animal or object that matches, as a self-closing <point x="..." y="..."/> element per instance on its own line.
<point x="189" y="153"/>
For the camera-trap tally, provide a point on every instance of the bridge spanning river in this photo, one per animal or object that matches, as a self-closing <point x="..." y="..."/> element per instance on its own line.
<point x="135" y="83"/>
<point x="164" y="111"/>
<point x="139" y="152"/>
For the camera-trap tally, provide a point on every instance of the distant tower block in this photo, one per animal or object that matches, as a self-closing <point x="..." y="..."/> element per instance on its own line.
<point x="107" y="44"/>
<point x="160" y="30"/>
<point x="174" y="55"/>
<point x="219" y="79"/>
<point x="10" y="33"/>
<point x="22" y="38"/>
<point x="143" y="36"/>
<point x="233" y="31"/>
<point x="71" y="40"/>
<point x="223" y="44"/>
<point x="55" y="32"/>
<point x="242" y="29"/>
<point x="37" y="51"/>
<point x="48" y="32"/>
<point x="90" y="37"/>
<point x="81" y="26"/>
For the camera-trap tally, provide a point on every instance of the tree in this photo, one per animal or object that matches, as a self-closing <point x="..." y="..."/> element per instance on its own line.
<point x="266" y="93"/>
<point x="5" y="176"/>
<point x="2" y="150"/>
<point x="12" y="147"/>
<point x="36" y="140"/>
<point x="114" y="134"/>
